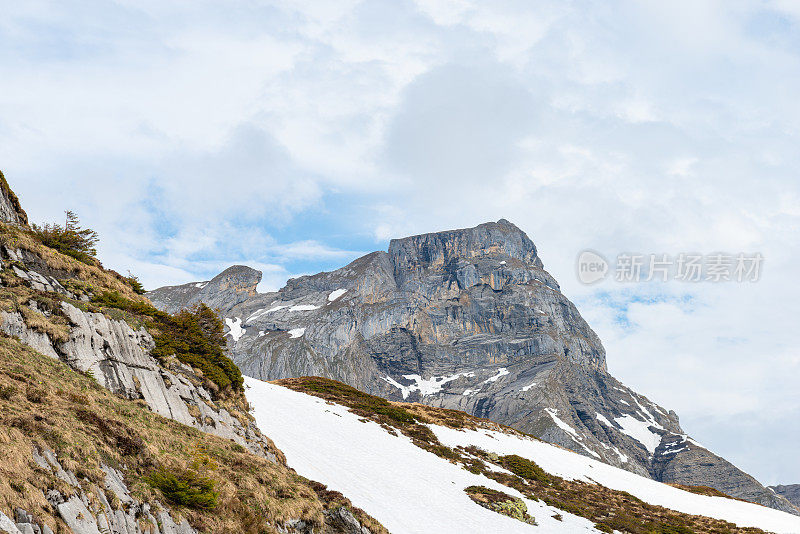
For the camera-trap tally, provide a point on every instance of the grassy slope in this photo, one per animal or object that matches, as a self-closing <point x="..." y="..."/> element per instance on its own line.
<point x="45" y="403"/>
<point x="609" y="509"/>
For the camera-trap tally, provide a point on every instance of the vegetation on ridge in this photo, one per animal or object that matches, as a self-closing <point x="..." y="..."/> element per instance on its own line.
<point x="70" y="239"/>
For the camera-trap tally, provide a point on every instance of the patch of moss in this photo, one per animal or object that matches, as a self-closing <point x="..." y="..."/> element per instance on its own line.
<point x="185" y="489"/>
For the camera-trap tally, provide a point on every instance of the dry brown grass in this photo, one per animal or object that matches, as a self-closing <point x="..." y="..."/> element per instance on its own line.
<point x="55" y="326"/>
<point x="87" y="426"/>
<point x="94" y="275"/>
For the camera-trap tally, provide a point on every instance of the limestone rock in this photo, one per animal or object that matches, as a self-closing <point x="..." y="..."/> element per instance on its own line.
<point x="233" y="285"/>
<point x="10" y="209"/>
<point x="791" y="492"/>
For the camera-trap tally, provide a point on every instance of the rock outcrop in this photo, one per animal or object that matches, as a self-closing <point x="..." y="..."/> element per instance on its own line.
<point x="790" y="491"/>
<point x="119" y="358"/>
<point x="233" y="285"/>
<point x="464" y="319"/>
<point x="86" y="508"/>
<point x="10" y="209"/>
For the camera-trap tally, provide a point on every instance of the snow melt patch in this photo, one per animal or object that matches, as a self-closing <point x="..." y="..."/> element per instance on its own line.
<point x="500" y="372"/>
<point x="569" y="430"/>
<point x="407" y="489"/>
<point x="297" y="332"/>
<point x="235" y="326"/>
<point x="405" y="391"/>
<point x="573" y="466"/>
<point x="429" y="386"/>
<point x="303" y="307"/>
<point x="602" y="419"/>
<point x="640" y="431"/>
<point x="336" y="294"/>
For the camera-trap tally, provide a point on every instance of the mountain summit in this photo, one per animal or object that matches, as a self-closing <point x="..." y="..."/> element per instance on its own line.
<point x="465" y="319"/>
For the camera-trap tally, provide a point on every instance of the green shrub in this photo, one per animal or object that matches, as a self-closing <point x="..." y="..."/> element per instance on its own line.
<point x="135" y="284"/>
<point x="196" y="337"/>
<point x="524" y="468"/>
<point x="185" y="489"/>
<point x="112" y="299"/>
<point x="69" y="239"/>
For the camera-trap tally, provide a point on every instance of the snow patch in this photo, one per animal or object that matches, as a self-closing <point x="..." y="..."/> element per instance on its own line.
<point x="640" y="431"/>
<point x="404" y="390"/>
<point x="296" y="332"/>
<point x="235" y="326"/>
<point x="262" y="311"/>
<point x="469" y="392"/>
<point x="429" y="386"/>
<point x="500" y="372"/>
<point x="561" y="424"/>
<point x="303" y="307"/>
<point x="529" y="386"/>
<point x="602" y="419"/>
<point x="336" y="294"/>
<point x="503" y="262"/>
<point x="571" y="431"/>
<point x="201" y="285"/>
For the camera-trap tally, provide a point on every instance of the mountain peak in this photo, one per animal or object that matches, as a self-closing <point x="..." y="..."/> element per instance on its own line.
<point x="501" y="239"/>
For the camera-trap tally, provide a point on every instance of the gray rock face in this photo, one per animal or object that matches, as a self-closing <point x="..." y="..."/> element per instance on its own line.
<point x="10" y="209"/>
<point x="791" y="492"/>
<point x="233" y="285"/>
<point x="88" y="511"/>
<point x="470" y="320"/>
<point x="118" y="357"/>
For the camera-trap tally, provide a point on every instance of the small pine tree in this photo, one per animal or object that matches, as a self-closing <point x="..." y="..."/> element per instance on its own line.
<point x="135" y="284"/>
<point x="69" y="239"/>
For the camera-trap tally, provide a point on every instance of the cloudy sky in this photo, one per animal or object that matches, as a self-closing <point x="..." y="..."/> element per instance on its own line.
<point x="295" y="136"/>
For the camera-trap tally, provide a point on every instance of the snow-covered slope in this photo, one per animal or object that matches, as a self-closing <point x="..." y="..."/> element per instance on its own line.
<point x="407" y="489"/>
<point x="572" y="466"/>
<point x="410" y="490"/>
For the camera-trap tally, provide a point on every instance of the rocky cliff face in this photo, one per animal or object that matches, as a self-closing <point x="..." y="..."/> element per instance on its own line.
<point x="119" y="358"/>
<point x="465" y="319"/>
<point x="790" y="491"/>
<point x="10" y="209"/>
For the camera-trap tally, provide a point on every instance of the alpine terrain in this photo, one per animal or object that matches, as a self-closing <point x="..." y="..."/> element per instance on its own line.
<point x="468" y="320"/>
<point x="118" y="417"/>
